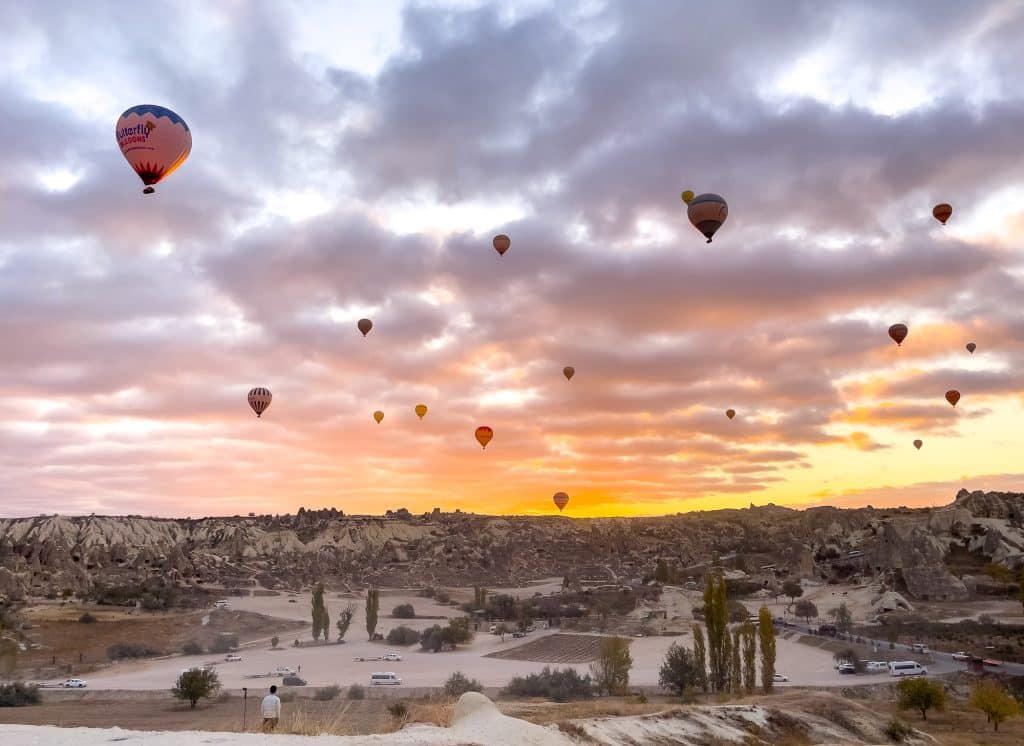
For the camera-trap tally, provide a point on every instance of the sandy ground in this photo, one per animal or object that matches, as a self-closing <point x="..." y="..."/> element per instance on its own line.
<point x="335" y="664"/>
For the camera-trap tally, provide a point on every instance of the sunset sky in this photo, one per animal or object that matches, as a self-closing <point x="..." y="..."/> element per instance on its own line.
<point x="357" y="163"/>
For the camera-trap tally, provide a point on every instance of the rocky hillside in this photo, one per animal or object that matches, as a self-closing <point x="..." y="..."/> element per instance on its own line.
<point x="54" y="554"/>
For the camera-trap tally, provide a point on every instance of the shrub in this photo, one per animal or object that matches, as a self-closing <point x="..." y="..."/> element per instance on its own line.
<point x="274" y="641"/>
<point x="224" y="643"/>
<point x="458" y="684"/>
<point x="195" y="684"/>
<point x="428" y="592"/>
<point x="398" y="710"/>
<point x="356" y="692"/>
<point x="124" y="650"/>
<point x="192" y="648"/>
<point x="87" y="618"/>
<point x="403" y="636"/>
<point x="18" y="694"/>
<point x="404" y="611"/>
<point x="898" y="731"/>
<point x="559" y="685"/>
<point x="442" y="597"/>
<point x="327" y="693"/>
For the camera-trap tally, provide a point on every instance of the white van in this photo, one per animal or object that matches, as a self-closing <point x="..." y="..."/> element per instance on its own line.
<point x="385" y="679"/>
<point x="906" y="668"/>
<point x="222" y="604"/>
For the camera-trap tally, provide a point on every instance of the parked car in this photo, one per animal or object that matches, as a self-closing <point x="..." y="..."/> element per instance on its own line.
<point x="285" y="671"/>
<point x="877" y="666"/>
<point x="291" y="600"/>
<point x="390" y="656"/>
<point x="518" y="633"/>
<point x="293" y="681"/>
<point x="961" y="655"/>
<point x="232" y="657"/>
<point x="75" y="684"/>
<point x="387" y="678"/>
<point x="906" y="668"/>
<point x="847" y="668"/>
<point x="780" y="677"/>
<point x="222" y="604"/>
<point x="921" y="648"/>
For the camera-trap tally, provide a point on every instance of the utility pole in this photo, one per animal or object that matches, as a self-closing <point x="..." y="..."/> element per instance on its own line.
<point x="245" y="697"/>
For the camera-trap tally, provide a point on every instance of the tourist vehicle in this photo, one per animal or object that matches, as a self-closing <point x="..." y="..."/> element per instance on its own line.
<point x="222" y="604"/>
<point x="906" y="668"/>
<point x="386" y="678"/>
<point x="847" y="668"/>
<point x="780" y="677"/>
<point x="285" y="671"/>
<point x="961" y="655"/>
<point x="293" y="681"/>
<point x="75" y="684"/>
<point x="877" y="666"/>
<point x="921" y="648"/>
<point x="232" y="658"/>
<point x="390" y="656"/>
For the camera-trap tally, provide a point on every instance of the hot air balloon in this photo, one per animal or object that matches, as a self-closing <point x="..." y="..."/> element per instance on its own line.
<point x="941" y="212"/>
<point x="421" y="410"/>
<point x="568" y="371"/>
<point x="707" y="213"/>
<point x="898" y="332"/>
<point x="378" y="415"/>
<point x="730" y="413"/>
<point x="154" y="141"/>
<point x="953" y="396"/>
<point x="365" y="325"/>
<point x="484" y="435"/>
<point x="501" y="243"/>
<point x="971" y="347"/>
<point x="259" y="400"/>
<point x="561" y="500"/>
<point x="918" y="444"/>
<point x="687" y="196"/>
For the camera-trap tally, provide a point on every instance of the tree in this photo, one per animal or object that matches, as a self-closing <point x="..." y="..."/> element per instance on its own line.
<point x="479" y="597"/>
<point x="735" y="669"/>
<point x="458" y="684"/>
<point x="792" y="589"/>
<point x="321" y="619"/>
<point x="274" y="641"/>
<point x="344" y="620"/>
<point x="992" y="699"/>
<point x="716" y="621"/>
<point x="678" y="671"/>
<point x="921" y="694"/>
<point x="749" y="658"/>
<point x="806" y="609"/>
<point x="525" y="616"/>
<point x="700" y="658"/>
<point x="196" y="684"/>
<point x="372" y="607"/>
<point x="766" y="631"/>
<point x="611" y="669"/>
<point x="843" y="618"/>
<point x="661" y="572"/>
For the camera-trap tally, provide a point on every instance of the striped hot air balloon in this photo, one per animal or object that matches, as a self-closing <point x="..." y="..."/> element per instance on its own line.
<point x="707" y="213"/>
<point x="259" y="400"/>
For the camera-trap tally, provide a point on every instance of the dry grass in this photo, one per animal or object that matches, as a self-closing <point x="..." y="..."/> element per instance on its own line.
<point x="557" y="648"/>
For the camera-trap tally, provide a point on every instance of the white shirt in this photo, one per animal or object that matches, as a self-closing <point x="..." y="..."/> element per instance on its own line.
<point x="271" y="706"/>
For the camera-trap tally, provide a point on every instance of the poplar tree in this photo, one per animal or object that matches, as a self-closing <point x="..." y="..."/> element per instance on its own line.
<point x="766" y="631"/>
<point x="700" y="658"/>
<point x="749" y="657"/>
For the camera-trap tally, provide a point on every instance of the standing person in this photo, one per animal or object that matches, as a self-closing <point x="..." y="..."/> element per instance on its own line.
<point x="271" y="710"/>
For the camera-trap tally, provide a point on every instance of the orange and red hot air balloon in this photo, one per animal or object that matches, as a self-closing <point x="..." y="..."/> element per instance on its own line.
<point x="918" y="444"/>
<point x="421" y="410"/>
<point x="561" y="500"/>
<point x="155" y="141"/>
<point x="898" y="332"/>
<point x="953" y="396"/>
<point x="484" y="435"/>
<point x="568" y="371"/>
<point x="942" y="211"/>
<point x="730" y="413"/>
<point x="378" y="416"/>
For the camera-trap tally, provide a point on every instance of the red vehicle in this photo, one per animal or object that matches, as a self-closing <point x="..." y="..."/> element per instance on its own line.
<point x="992" y="662"/>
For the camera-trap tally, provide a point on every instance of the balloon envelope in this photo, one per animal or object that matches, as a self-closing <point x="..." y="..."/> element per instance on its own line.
<point x="501" y="243"/>
<point x="918" y="444"/>
<point x="378" y="415"/>
<point x="730" y="413"/>
<point x="155" y="141"/>
<point x="259" y="400"/>
<point x="421" y="409"/>
<point x="707" y="213"/>
<point x="971" y="347"/>
<point x="484" y="435"/>
<point x="561" y="500"/>
<point x="898" y="332"/>
<point x="365" y="325"/>
<point x="568" y="371"/>
<point x="953" y="396"/>
<point x="687" y="196"/>
<point x="941" y="212"/>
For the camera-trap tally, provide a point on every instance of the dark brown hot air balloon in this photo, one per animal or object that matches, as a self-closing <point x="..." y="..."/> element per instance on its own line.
<point x="953" y="396"/>
<point x="561" y="500"/>
<point x="730" y="413"/>
<point x="941" y="212"/>
<point x="918" y="444"/>
<point x="707" y="213"/>
<point x="568" y="371"/>
<point x="898" y="332"/>
<point x="971" y="347"/>
<point x="484" y="435"/>
<point x="259" y="400"/>
<point x="365" y="325"/>
<point x="501" y="243"/>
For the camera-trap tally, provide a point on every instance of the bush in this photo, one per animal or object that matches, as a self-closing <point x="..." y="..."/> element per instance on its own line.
<point x="403" y="636"/>
<point x="192" y="648"/>
<point x="224" y="643"/>
<point x="327" y="693"/>
<point x="428" y="592"/>
<point x="356" y="692"/>
<point x="442" y="597"/>
<point x="18" y="694"/>
<point x="404" y="611"/>
<point x="921" y="694"/>
<point x="195" y="684"/>
<point x="398" y="710"/>
<point x="124" y="650"/>
<point x="559" y="685"/>
<point x="274" y="642"/>
<point x="458" y="684"/>
<point x="897" y="730"/>
<point x="87" y="618"/>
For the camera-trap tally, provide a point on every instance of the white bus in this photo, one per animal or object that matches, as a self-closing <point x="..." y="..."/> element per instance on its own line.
<point x="385" y="679"/>
<point x="906" y="668"/>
